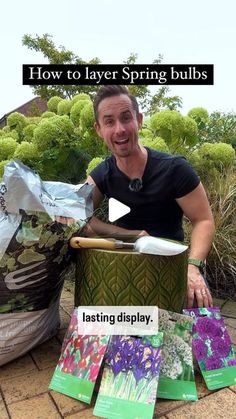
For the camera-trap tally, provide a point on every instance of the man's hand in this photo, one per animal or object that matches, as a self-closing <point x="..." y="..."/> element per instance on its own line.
<point x="142" y="233"/>
<point x="197" y="288"/>
<point x="65" y="220"/>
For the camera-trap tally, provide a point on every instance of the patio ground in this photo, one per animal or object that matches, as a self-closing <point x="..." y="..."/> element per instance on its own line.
<point x="24" y="382"/>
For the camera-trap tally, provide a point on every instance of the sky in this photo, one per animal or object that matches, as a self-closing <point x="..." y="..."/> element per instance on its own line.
<point x="184" y="32"/>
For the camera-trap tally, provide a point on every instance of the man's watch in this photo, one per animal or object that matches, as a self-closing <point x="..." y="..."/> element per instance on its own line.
<point x="197" y="262"/>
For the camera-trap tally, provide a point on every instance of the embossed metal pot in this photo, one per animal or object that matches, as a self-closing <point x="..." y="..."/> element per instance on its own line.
<point x="124" y="277"/>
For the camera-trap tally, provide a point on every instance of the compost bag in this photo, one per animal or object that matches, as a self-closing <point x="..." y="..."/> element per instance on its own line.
<point x="34" y="253"/>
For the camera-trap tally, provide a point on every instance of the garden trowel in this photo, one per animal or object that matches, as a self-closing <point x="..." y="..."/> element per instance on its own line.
<point x="146" y="244"/>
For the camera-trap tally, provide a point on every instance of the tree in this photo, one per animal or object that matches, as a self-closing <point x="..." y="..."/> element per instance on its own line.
<point x="60" y="55"/>
<point x="160" y="101"/>
<point x="216" y="127"/>
<point x="221" y="127"/>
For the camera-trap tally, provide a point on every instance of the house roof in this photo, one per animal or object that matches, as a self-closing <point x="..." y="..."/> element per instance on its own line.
<point x="27" y="108"/>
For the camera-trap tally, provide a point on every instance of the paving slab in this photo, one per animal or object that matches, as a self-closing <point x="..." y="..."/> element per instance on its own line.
<point x="220" y="404"/>
<point x="18" y="367"/>
<point x="232" y="333"/>
<point x="233" y="388"/>
<point x="229" y="309"/>
<point x="164" y="406"/>
<point x="38" y="407"/>
<point x="68" y="305"/>
<point x="231" y="327"/>
<point x="66" y="294"/>
<point x="46" y="354"/>
<point x="60" y="335"/>
<point x="202" y="389"/>
<point x="67" y="405"/>
<point x="26" y="386"/>
<point x="70" y="285"/>
<point x="64" y="319"/>
<point x="230" y="322"/>
<point x="86" y="414"/>
<point x="219" y="302"/>
<point x="3" y="410"/>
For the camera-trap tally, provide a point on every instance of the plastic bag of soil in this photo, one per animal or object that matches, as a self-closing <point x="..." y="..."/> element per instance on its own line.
<point x="34" y="253"/>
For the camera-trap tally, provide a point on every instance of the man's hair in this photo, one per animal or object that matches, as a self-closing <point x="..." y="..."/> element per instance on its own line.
<point x="113" y="90"/>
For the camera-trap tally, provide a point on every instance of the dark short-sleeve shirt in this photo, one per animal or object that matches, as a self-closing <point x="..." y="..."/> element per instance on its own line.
<point x="154" y="207"/>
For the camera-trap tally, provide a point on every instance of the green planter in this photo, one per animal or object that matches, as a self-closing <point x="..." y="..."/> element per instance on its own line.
<point x="124" y="277"/>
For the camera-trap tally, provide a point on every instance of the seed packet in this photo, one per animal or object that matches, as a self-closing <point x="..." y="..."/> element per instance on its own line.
<point x="176" y="375"/>
<point x="212" y="347"/>
<point x="79" y="363"/>
<point x="130" y="378"/>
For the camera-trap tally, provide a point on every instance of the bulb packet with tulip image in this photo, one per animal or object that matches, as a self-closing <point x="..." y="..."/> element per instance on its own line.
<point x="177" y="374"/>
<point x="212" y="347"/>
<point x="79" y="363"/>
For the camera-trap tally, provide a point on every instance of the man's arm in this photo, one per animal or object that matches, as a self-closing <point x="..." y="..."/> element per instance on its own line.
<point x="96" y="227"/>
<point x="196" y="207"/>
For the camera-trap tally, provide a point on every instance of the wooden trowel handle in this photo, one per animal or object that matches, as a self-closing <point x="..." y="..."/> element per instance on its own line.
<point x="89" y="243"/>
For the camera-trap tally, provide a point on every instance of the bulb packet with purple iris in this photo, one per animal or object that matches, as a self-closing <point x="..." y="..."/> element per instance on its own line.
<point x="130" y="377"/>
<point x="212" y="347"/>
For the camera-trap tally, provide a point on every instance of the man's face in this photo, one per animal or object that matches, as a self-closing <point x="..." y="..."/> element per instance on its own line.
<point x="118" y="125"/>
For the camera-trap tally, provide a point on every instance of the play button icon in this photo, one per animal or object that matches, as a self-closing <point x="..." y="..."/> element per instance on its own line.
<point x="116" y="209"/>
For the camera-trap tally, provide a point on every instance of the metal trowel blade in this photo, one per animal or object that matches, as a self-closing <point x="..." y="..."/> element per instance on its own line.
<point x="158" y="246"/>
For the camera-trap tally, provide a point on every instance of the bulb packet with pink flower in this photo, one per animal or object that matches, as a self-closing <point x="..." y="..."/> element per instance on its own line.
<point x="212" y="347"/>
<point x="130" y="377"/>
<point x="79" y="363"/>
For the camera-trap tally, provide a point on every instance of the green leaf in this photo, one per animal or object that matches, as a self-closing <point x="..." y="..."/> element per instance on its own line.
<point x="29" y="256"/>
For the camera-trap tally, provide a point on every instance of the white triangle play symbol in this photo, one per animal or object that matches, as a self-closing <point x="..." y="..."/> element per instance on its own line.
<point x="116" y="209"/>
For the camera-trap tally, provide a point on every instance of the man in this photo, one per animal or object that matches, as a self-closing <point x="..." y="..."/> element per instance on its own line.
<point x="158" y="187"/>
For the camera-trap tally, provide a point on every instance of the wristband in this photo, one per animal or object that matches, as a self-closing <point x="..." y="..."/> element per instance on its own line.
<point x="197" y="262"/>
